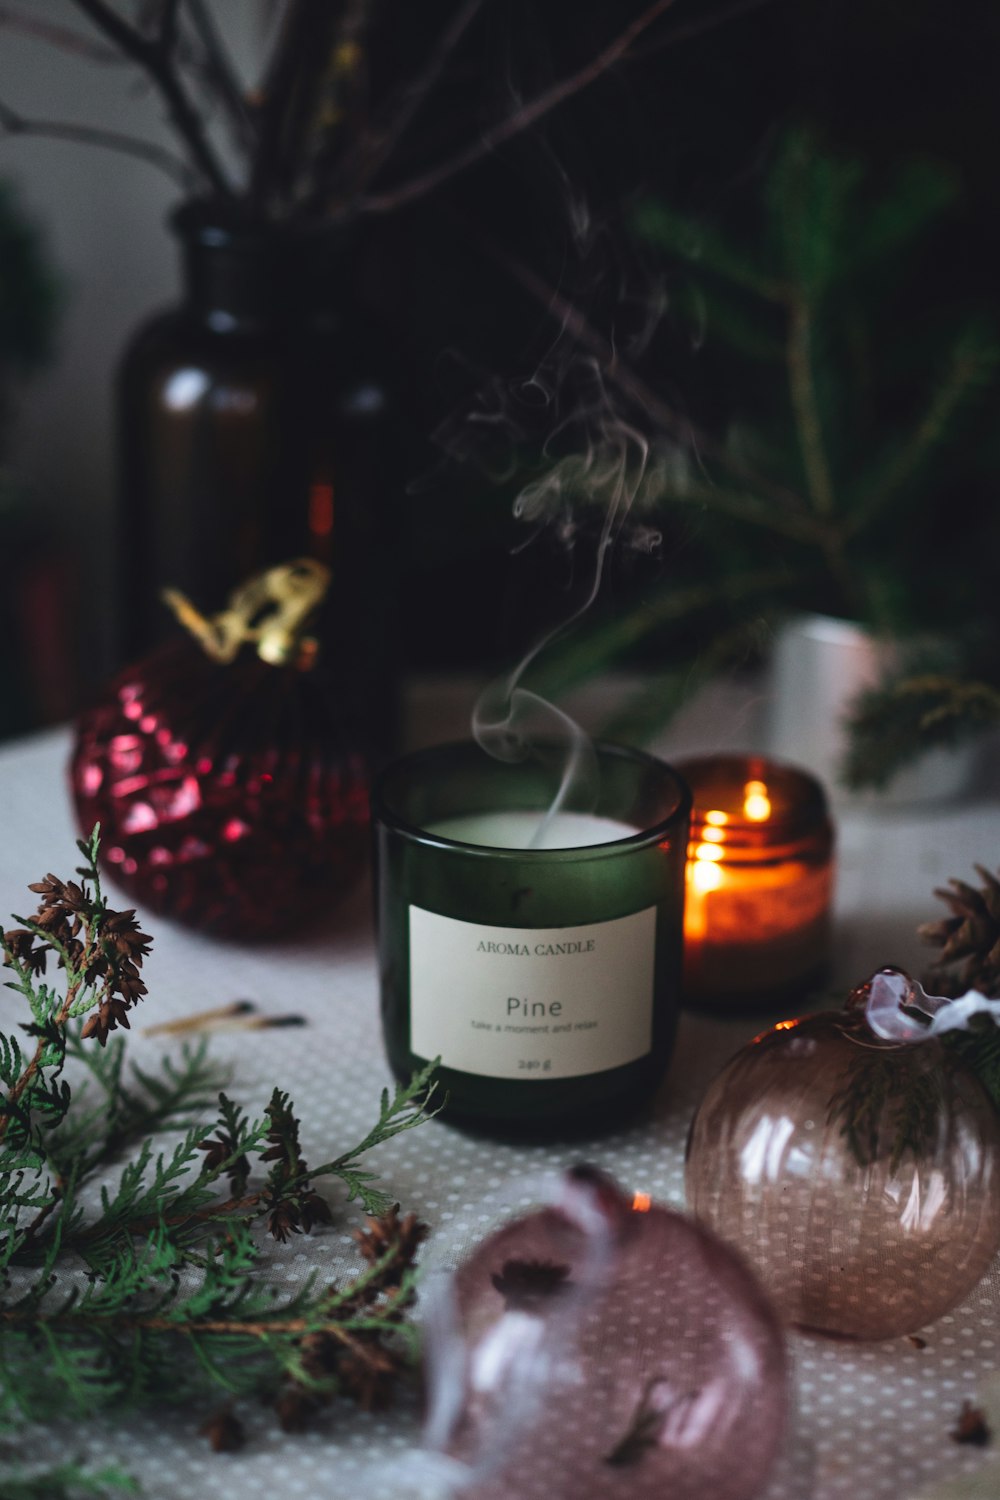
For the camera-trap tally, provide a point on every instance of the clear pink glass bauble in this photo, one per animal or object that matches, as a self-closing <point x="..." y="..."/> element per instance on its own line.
<point x="594" y="1350"/>
<point x="858" y="1173"/>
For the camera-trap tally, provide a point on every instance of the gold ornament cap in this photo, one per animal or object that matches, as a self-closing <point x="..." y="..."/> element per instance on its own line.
<point x="269" y="612"/>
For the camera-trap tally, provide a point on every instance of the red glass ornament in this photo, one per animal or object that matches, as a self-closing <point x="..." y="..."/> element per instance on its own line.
<point x="227" y="794"/>
<point x="605" y="1348"/>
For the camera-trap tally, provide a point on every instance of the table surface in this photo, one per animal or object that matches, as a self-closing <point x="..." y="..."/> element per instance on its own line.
<point x="870" y="1421"/>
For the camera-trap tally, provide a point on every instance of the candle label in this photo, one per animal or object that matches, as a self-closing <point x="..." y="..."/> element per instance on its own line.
<point x="532" y="1002"/>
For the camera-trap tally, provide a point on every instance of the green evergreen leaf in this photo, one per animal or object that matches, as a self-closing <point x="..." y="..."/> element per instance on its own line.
<point x="892" y="724"/>
<point x="699" y="243"/>
<point x="128" y="1272"/>
<point x="65" y="1482"/>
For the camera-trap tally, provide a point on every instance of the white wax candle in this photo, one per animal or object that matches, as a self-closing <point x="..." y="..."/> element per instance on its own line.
<point x="519" y="830"/>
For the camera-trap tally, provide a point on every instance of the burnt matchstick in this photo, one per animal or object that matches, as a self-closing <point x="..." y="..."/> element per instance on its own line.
<point x="258" y="1023"/>
<point x="239" y="1015"/>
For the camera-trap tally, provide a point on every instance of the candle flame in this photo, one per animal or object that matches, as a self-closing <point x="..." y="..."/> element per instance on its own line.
<point x="704" y="876"/>
<point x="711" y="852"/>
<point x="716" y="817"/>
<point x="714" y="835"/>
<point x="756" y="803"/>
<point x="641" y="1203"/>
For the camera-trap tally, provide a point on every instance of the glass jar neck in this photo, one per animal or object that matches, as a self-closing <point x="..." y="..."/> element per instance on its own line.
<point x="244" y="274"/>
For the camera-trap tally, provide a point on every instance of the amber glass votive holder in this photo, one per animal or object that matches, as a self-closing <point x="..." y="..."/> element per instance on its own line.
<point x="759" y="888"/>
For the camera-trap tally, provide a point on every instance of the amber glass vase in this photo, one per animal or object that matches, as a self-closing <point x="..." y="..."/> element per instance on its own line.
<point x="256" y="423"/>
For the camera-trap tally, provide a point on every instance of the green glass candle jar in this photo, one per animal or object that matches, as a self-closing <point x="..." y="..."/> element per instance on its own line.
<point x="536" y="954"/>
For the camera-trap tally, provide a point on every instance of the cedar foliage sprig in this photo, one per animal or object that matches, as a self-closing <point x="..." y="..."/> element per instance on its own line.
<point x="129" y="1271"/>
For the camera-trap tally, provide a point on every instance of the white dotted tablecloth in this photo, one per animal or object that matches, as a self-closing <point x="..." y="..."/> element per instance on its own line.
<point x="870" y="1421"/>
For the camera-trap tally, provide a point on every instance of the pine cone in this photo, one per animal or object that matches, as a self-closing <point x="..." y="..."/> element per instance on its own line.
<point x="367" y="1373"/>
<point x="224" y="1431"/>
<point x="969" y="940"/>
<point x="295" y="1408"/>
<point x="391" y="1233"/>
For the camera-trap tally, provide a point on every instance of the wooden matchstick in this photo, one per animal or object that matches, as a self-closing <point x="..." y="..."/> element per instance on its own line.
<point x="258" y="1023"/>
<point x="202" y="1020"/>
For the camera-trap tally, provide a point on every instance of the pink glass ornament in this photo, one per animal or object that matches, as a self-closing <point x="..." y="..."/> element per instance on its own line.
<point x="857" y="1169"/>
<point x="592" y="1350"/>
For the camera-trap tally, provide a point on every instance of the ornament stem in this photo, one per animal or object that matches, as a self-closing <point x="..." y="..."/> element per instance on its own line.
<point x="270" y="611"/>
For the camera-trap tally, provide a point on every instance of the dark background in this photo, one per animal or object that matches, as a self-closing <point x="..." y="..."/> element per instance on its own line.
<point x="691" y="118"/>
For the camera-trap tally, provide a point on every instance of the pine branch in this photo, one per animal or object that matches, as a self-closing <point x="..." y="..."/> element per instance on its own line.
<point x="893" y="724"/>
<point x="753" y="510"/>
<point x="592" y="650"/>
<point x="802" y="387"/>
<point x="888" y="1105"/>
<point x="703" y="246"/>
<point x="659" y="699"/>
<point x="979" y="1049"/>
<point x="829" y="234"/>
<point x="748" y="328"/>
<point x="973" y="361"/>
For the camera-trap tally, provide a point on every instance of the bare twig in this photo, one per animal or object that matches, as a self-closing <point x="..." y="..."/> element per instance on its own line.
<point x="373" y="153"/>
<point x="169" y="15"/>
<point x="297" y="63"/>
<point x="632" y="385"/>
<point x="521" y="120"/>
<point x="700" y="24"/>
<point x="336" y="105"/>
<point x="12" y="123"/>
<point x="218" y="69"/>
<point x="157" y="61"/>
<point x="63" y="37"/>
<point x="125" y="37"/>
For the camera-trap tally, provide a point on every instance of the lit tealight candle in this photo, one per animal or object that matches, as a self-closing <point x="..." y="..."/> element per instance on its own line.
<point x="759" y="882"/>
